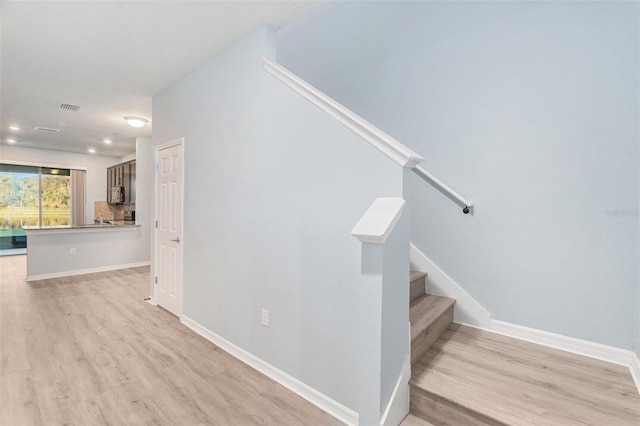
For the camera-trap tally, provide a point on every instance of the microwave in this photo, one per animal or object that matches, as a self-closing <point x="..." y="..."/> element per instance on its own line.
<point x="117" y="194"/>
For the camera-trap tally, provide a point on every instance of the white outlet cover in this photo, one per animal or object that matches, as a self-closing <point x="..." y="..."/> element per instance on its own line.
<point x="265" y="318"/>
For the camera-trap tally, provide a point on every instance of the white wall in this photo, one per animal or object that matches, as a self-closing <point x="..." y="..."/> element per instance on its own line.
<point x="95" y="165"/>
<point x="144" y="191"/>
<point x="129" y="157"/>
<point x="273" y="187"/>
<point x="530" y="109"/>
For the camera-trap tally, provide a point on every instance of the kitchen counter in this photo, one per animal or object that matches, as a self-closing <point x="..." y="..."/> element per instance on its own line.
<point x="80" y="249"/>
<point x="114" y="226"/>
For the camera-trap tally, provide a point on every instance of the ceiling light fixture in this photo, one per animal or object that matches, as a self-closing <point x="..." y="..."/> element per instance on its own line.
<point x="11" y="141"/>
<point x="91" y="151"/>
<point x="107" y="141"/>
<point x="46" y="129"/>
<point x="16" y="128"/>
<point x="135" y="121"/>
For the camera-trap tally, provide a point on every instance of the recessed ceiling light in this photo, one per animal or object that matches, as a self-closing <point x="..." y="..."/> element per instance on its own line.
<point x="107" y="141"/>
<point x="16" y="128"/>
<point x="11" y="141"/>
<point x="135" y="121"/>
<point x="91" y="151"/>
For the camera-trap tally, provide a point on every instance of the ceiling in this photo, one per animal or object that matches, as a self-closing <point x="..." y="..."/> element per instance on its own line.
<point x="109" y="59"/>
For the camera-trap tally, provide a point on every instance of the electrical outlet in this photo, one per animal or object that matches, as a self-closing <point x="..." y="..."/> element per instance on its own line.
<point x="265" y="318"/>
<point x="72" y="251"/>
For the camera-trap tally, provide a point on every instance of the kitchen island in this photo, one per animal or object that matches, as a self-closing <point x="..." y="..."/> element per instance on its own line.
<point x="79" y="249"/>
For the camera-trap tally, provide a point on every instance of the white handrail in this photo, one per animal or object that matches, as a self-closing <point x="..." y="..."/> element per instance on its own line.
<point x="395" y="150"/>
<point x="367" y="131"/>
<point x="467" y="206"/>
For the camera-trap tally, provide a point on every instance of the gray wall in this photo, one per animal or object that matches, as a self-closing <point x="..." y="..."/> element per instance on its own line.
<point x="273" y="187"/>
<point x="48" y="252"/>
<point x="144" y="189"/>
<point x="528" y="108"/>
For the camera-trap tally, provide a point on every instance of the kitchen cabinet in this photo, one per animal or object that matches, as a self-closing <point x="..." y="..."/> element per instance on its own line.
<point x="132" y="182"/>
<point x="123" y="175"/>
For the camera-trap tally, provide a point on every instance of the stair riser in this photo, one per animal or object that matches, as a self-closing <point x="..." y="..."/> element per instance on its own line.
<point x="441" y="411"/>
<point x="417" y="288"/>
<point x="421" y="344"/>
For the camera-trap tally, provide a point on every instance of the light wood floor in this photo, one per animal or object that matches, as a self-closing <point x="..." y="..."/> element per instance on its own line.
<point x="88" y="350"/>
<point x="512" y="382"/>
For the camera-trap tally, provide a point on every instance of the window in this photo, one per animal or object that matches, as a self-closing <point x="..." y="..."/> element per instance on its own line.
<point x="35" y="196"/>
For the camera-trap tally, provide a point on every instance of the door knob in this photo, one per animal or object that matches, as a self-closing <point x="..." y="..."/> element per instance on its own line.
<point x="176" y="240"/>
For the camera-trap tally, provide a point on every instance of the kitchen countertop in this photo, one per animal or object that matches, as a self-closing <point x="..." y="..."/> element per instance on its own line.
<point x="115" y="225"/>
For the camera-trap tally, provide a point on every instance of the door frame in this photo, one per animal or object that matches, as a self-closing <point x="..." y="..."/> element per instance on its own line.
<point x="153" y="295"/>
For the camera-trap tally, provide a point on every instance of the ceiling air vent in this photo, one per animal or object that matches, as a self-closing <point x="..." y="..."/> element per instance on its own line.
<point x="47" y="130"/>
<point x="69" y="107"/>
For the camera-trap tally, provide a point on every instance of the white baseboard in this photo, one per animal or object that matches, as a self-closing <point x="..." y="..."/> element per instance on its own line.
<point x="570" y="344"/>
<point x="398" y="406"/>
<point x="320" y="400"/>
<point x="466" y="309"/>
<point x="635" y="370"/>
<point x="86" y="271"/>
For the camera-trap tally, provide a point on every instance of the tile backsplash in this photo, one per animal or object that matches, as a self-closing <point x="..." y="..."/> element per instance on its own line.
<point x="111" y="211"/>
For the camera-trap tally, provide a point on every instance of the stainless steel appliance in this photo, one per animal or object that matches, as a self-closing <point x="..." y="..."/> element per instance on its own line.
<point x="117" y="195"/>
<point x="130" y="216"/>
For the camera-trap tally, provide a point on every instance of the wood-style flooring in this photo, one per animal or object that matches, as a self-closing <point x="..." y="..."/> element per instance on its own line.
<point x="88" y="350"/>
<point x="474" y="377"/>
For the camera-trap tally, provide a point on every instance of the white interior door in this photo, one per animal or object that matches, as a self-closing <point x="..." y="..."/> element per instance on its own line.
<point x="169" y="229"/>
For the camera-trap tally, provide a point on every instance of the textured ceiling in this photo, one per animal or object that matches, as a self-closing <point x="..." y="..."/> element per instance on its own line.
<point x="109" y="58"/>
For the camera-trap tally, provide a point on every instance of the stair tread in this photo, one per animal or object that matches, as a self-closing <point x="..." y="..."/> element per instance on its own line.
<point x="414" y="275"/>
<point x="517" y="382"/>
<point x="425" y="310"/>
<point x="412" y="420"/>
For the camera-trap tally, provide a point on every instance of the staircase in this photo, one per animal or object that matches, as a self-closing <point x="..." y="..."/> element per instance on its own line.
<point x="429" y="315"/>
<point x="466" y="376"/>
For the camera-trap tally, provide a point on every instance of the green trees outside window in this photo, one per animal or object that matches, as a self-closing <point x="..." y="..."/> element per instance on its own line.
<point x="32" y="196"/>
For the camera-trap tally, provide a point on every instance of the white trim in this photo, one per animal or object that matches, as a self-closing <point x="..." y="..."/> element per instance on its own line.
<point x="378" y="221"/>
<point x="86" y="271"/>
<point x="322" y="401"/>
<point x="570" y="344"/>
<point x="398" y="406"/>
<point x="635" y="370"/>
<point x="174" y="142"/>
<point x="466" y="310"/>
<point x="565" y="343"/>
<point x="361" y="127"/>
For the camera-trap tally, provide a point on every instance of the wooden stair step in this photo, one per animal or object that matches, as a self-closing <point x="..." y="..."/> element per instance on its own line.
<point x="471" y="376"/>
<point x="412" y="420"/>
<point x="430" y="316"/>
<point x="417" y="284"/>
